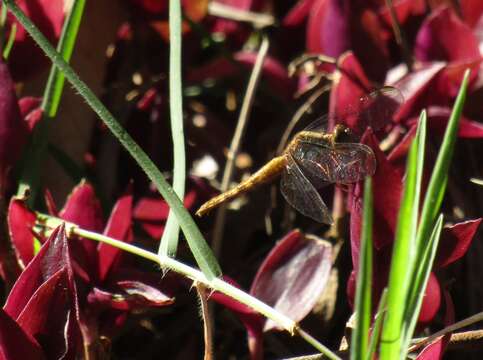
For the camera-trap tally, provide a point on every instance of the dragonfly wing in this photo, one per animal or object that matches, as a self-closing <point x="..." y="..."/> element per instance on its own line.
<point x="343" y="163"/>
<point x="302" y="195"/>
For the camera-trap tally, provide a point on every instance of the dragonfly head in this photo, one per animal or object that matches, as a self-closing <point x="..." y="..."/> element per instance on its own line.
<point x="343" y="134"/>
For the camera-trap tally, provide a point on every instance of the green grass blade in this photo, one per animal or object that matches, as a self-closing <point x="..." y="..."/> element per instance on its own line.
<point x="439" y="177"/>
<point x="360" y="336"/>
<point x="55" y="83"/>
<point x="428" y="230"/>
<point x="402" y="263"/>
<point x="37" y="149"/>
<point x="421" y="279"/>
<point x="70" y="167"/>
<point x="376" y="329"/>
<point x="169" y="241"/>
<point x="9" y="45"/>
<point x="198" y="246"/>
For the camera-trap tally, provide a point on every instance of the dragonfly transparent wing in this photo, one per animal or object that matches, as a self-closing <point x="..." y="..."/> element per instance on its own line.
<point x="302" y="195"/>
<point x="375" y="109"/>
<point x="378" y="108"/>
<point x="343" y="163"/>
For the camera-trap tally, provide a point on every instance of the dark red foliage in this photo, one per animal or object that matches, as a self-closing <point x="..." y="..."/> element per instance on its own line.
<point x="26" y="59"/>
<point x="13" y="129"/>
<point x="335" y="26"/>
<point x="15" y="343"/>
<point x="43" y="301"/>
<point x="455" y="241"/>
<point x="20" y="223"/>
<point x="443" y="36"/>
<point x="103" y="275"/>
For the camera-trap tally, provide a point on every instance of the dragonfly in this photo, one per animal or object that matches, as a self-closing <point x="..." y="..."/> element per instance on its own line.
<point x="315" y="158"/>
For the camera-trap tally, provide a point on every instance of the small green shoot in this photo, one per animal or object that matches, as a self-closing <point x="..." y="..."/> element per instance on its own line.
<point x="360" y="336"/>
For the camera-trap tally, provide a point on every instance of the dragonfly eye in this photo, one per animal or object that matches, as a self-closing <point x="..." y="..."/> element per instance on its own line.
<point x="345" y="136"/>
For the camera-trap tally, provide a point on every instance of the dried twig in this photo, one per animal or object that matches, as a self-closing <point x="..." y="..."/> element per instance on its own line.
<point x="236" y="141"/>
<point x="258" y="20"/>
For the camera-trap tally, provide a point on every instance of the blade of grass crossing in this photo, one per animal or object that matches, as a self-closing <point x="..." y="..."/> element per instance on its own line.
<point x="359" y="342"/>
<point x="438" y="181"/>
<point x="55" y="83"/>
<point x="169" y="240"/>
<point x="198" y="246"/>
<point x="402" y="262"/>
<point x="418" y="289"/>
<point x="9" y="45"/>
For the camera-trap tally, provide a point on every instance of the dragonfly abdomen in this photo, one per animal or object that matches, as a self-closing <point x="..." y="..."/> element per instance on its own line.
<point x="266" y="174"/>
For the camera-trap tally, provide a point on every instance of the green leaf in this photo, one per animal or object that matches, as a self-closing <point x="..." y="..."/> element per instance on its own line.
<point x="360" y="336"/>
<point x="428" y="233"/>
<point x="439" y="177"/>
<point x="402" y="263"/>
<point x="9" y="45"/>
<point x="415" y="298"/>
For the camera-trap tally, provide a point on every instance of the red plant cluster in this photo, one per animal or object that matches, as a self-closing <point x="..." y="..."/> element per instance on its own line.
<point x="73" y="292"/>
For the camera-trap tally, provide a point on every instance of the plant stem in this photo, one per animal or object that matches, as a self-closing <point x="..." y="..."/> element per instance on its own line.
<point x="216" y="284"/>
<point x="169" y="241"/>
<point x="236" y="141"/>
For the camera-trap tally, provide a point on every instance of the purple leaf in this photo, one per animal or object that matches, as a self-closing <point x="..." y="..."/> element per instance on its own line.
<point x="293" y="275"/>
<point x="130" y="295"/>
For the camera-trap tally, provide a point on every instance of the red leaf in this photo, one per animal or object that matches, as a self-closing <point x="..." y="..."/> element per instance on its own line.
<point x="431" y="300"/>
<point x="52" y="257"/>
<point x="44" y="298"/>
<point x="30" y="110"/>
<point x="443" y="36"/>
<point x="397" y="156"/>
<point x="455" y="241"/>
<point x="438" y="119"/>
<point x="350" y="85"/>
<point x="387" y="185"/>
<point x="83" y="208"/>
<point x="293" y="275"/>
<point x="327" y="28"/>
<point x="435" y="350"/>
<point x="118" y="227"/>
<point x="15" y="344"/>
<point x="472" y="11"/>
<point x="20" y="224"/>
<point x="153" y="213"/>
<point x="417" y="89"/>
